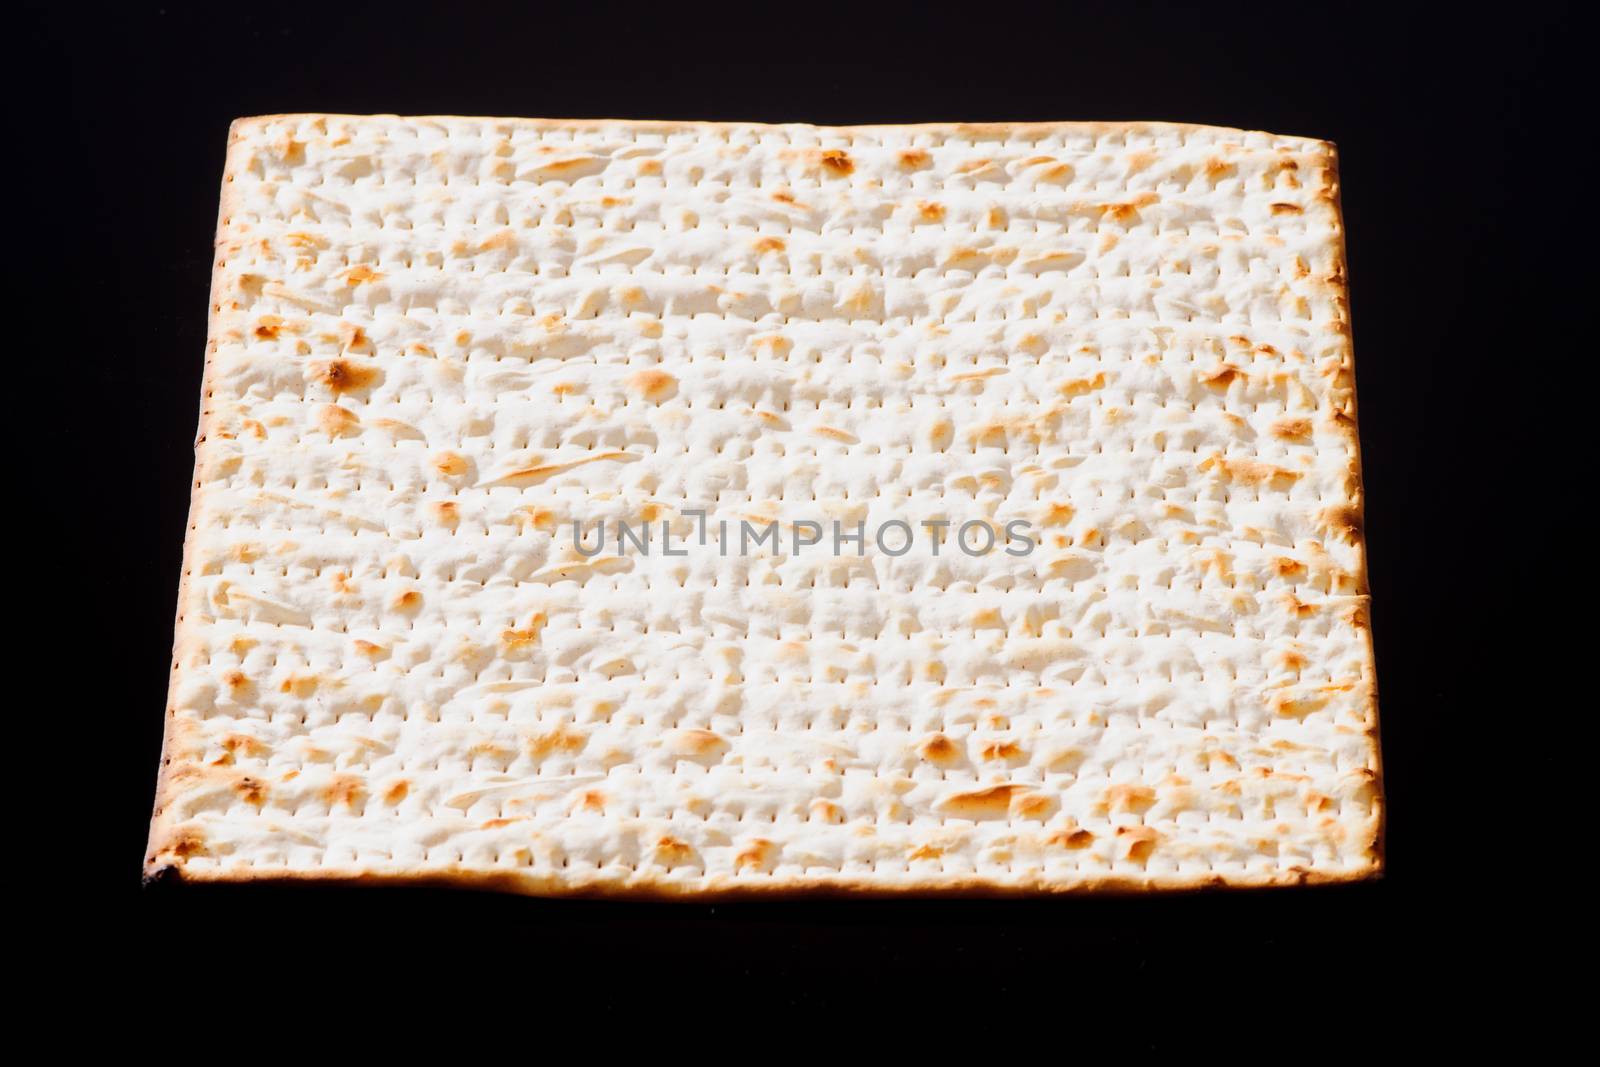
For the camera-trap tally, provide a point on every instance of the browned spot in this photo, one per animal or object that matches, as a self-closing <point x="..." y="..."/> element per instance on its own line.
<point x="488" y="748"/>
<point x="336" y="421"/>
<point x="1292" y="429"/>
<point x="396" y="792"/>
<point x="236" y="681"/>
<point x="360" y="275"/>
<point x="1140" y="841"/>
<point x="513" y="640"/>
<point x="995" y="800"/>
<point x="1033" y="344"/>
<point x="835" y="433"/>
<point x="300" y="685"/>
<point x="252" y="790"/>
<point x="344" y="789"/>
<point x="769" y="244"/>
<point x="1249" y="472"/>
<point x="1047" y="168"/>
<point x="590" y="800"/>
<point x="1128" y="210"/>
<point x="783" y="196"/>
<point x="450" y="464"/>
<point x="502" y="239"/>
<point x="1344" y="521"/>
<point x="1031" y="806"/>
<point x="696" y="742"/>
<point x="999" y="748"/>
<point x="938" y="749"/>
<point x="268" y="327"/>
<point x="836" y="162"/>
<point x="1073" y="839"/>
<point x="1057" y="515"/>
<point x="924" y="852"/>
<point x="1137" y="799"/>
<point x="185" y="843"/>
<point x="758" y="854"/>
<point x="653" y="384"/>
<point x="559" y="165"/>
<point x="409" y="600"/>
<point x="1081" y="386"/>
<point x="541" y="471"/>
<point x="671" y="850"/>
<point x="560" y="739"/>
<point x="1138" y="161"/>
<point x="1218" y="561"/>
<point x="1216" y="168"/>
<point x="537" y="518"/>
<point x="1285" y="209"/>
<point x="242" y="745"/>
<point x="977" y="375"/>
<point x="930" y="211"/>
<point x="1297" y="607"/>
<point x="1292" y="660"/>
<point x="826" y="811"/>
<point x="1288" y="567"/>
<point x="1222" y="375"/>
<point x="987" y="619"/>
<point x="991" y="434"/>
<point x="342" y="375"/>
<point x="445" y="512"/>
<point x="913" y="158"/>
<point x="1293" y="706"/>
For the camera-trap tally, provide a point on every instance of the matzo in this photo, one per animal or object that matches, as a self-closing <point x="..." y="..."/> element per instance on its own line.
<point x="1115" y="355"/>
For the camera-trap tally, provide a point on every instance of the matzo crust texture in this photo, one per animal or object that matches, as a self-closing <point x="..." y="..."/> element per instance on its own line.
<point x="436" y="343"/>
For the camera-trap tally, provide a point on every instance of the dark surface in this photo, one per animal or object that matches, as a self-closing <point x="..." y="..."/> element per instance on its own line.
<point x="1433" y="117"/>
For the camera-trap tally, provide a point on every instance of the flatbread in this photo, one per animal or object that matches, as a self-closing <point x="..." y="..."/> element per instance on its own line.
<point x="1113" y="359"/>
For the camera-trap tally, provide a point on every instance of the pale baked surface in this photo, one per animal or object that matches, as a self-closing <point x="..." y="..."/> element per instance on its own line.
<point x="437" y="342"/>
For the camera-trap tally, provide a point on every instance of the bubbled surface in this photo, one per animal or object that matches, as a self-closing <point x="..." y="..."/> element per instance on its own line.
<point x="437" y="342"/>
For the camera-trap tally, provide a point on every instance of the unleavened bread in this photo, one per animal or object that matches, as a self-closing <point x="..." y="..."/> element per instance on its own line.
<point x="443" y="351"/>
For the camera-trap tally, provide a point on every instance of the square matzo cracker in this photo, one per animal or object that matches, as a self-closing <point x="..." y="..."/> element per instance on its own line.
<point x="1045" y="435"/>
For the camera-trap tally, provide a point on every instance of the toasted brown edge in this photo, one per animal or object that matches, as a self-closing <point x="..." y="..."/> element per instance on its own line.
<point x="980" y="130"/>
<point x="1376" y="855"/>
<point x="225" y="206"/>
<point x="533" y="883"/>
<point x="650" y="887"/>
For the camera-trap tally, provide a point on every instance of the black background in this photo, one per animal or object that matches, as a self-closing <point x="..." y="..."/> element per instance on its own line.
<point x="1434" y="113"/>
